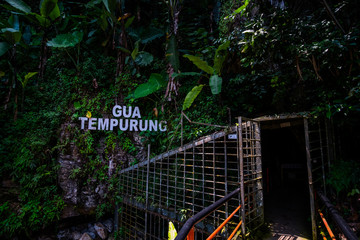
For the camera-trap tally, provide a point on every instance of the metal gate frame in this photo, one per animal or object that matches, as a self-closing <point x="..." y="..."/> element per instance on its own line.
<point x="145" y="185"/>
<point x="179" y="183"/>
<point x="320" y="152"/>
<point x="250" y="171"/>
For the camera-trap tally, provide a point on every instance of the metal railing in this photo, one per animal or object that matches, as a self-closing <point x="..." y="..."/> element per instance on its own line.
<point x="182" y="182"/>
<point x="336" y="217"/>
<point x="186" y="231"/>
<point x="331" y="234"/>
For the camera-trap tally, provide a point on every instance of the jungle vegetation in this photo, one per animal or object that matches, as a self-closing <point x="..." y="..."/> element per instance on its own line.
<point x="212" y="59"/>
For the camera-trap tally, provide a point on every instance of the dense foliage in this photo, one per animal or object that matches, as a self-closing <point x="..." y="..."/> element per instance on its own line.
<point x="214" y="60"/>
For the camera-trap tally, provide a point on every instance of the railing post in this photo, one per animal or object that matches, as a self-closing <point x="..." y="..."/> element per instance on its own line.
<point x="322" y="157"/>
<point x="241" y="158"/>
<point x="226" y="177"/>
<point x="147" y="189"/>
<point x="259" y="175"/>
<point x="182" y="128"/>
<point x="311" y="187"/>
<point x="191" y="235"/>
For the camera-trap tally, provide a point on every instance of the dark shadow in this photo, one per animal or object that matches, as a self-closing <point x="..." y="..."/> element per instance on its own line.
<point x="286" y="191"/>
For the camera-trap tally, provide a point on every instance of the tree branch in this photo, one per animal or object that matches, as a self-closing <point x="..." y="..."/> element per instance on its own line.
<point x="328" y="9"/>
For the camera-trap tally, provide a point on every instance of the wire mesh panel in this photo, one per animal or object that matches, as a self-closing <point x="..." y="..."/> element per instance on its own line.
<point x="176" y="185"/>
<point x="318" y="152"/>
<point x="250" y="164"/>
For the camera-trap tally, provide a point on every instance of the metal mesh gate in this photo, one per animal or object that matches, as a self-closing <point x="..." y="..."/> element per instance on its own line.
<point x="319" y="150"/>
<point x="178" y="184"/>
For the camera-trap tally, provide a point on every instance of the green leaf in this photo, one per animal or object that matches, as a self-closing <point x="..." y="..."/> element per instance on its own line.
<point x="150" y="34"/>
<point x="30" y="75"/>
<point x="144" y="58"/>
<point x="182" y="74"/>
<point x="156" y="81"/>
<point x="66" y="40"/>
<point x="328" y="114"/>
<point x="106" y="3"/>
<point x="190" y="97"/>
<point x="13" y="30"/>
<point x="11" y="35"/>
<point x="145" y="34"/>
<point x="103" y="22"/>
<point x="4" y="47"/>
<point x="135" y="51"/>
<point x="201" y="64"/>
<point x="55" y="13"/>
<point x="220" y="55"/>
<point x="172" y="231"/>
<point x="50" y="8"/>
<point x="19" y="5"/>
<point x="11" y="9"/>
<point x="92" y="3"/>
<point x="77" y="105"/>
<point x="240" y="9"/>
<point x="14" y="22"/>
<point x="123" y="49"/>
<point x="27" y="35"/>
<point x="215" y="83"/>
<point x="44" y="22"/>
<point x="173" y="53"/>
<point x="251" y="31"/>
<point x="129" y="21"/>
<point x="27" y="77"/>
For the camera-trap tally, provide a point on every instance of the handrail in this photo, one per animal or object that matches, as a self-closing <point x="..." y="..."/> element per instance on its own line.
<point x="223" y="224"/>
<point x="327" y="226"/>
<point x="203" y="214"/>
<point x="235" y="230"/>
<point x="340" y="222"/>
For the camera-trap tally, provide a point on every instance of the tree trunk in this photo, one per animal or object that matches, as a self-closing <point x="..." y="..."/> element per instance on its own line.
<point x="43" y="57"/>
<point x="16" y="105"/>
<point x="120" y="62"/>
<point x="172" y="50"/>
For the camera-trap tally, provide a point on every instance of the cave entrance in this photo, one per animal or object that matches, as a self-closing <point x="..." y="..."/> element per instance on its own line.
<point x="286" y="191"/>
<point x="295" y="157"/>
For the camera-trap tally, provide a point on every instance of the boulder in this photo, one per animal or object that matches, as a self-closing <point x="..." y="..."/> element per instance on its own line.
<point x="101" y="230"/>
<point x="76" y="235"/>
<point x="85" y="236"/>
<point x="64" y="234"/>
<point x="109" y="225"/>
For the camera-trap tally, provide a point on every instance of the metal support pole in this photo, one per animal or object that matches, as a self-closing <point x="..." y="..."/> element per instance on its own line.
<point x="147" y="190"/>
<point x="226" y="178"/>
<point x="241" y="158"/>
<point x="116" y="217"/>
<point x="322" y="158"/>
<point x="328" y="148"/>
<point x="182" y="128"/>
<point x="214" y="177"/>
<point x="259" y="175"/>
<point x="311" y="187"/>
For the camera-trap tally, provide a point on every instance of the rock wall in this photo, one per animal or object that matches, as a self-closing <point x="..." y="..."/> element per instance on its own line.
<point x="83" y="195"/>
<point x="89" y="231"/>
